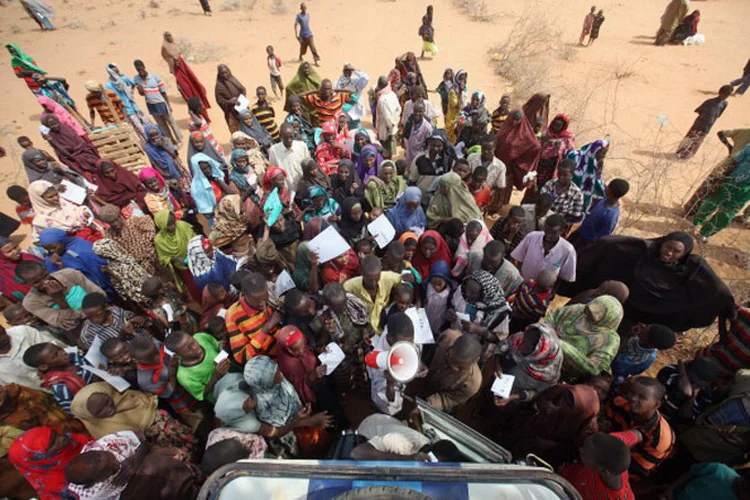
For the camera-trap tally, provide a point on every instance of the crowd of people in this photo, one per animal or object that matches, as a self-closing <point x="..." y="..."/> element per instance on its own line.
<point x="180" y="317"/>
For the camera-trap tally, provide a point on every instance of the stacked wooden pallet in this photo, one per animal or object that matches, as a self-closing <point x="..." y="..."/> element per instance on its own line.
<point x="120" y="144"/>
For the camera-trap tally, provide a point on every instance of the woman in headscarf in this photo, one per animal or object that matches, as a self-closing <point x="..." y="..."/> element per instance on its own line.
<point x="240" y="175"/>
<point x="53" y="211"/>
<point x="353" y="223"/>
<point x="40" y="12"/>
<point x="330" y="151"/>
<point x="134" y="236"/>
<point x="305" y="80"/>
<point x="306" y="274"/>
<point x="518" y="147"/>
<point x="313" y="176"/>
<point x="588" y="173"/>
<point x="171" y="247"/>
<point x="250" y="125"/>
<point x="39" y="167"/>
<point x="124" y="88"/>
<point x="431" y="248"/>
<point x="298" y="364"/>
<point x="321" y="205"/>
<point x="127" y="274"/>
<point x="452" y="201"/>
<point x="368" y="163"/>
<point x="275" y="179"/>
<point x="408" y="214"/>
<point x="208" y="187"/>
<point x="51" y="107"/>
<point x="41" y="455"/>
<point x="557" y="142"/>
<point x="384" y="190"/>
<point x="437" y="160"/>
<point x="458" y="96"/>
<point x="104" y="411"/>
<point x="344" y="183"/>
<point x="668" y="285"/>
<point x="70" y="252"/>
<point x="198" y="145"/>
<point x="187" y="82"/>
<point x="25" y="67"/>
<point x="276" y="401"/>
<point x="158" y="196"/>
<point x="589" y="335"/>
<point x="71" y="149"/>
<point x="437" y="291"/>
<point x="120" y="187"/>
<point x="163" y="156"/>
<point x="675" y="11"/>
<point x="486" y="305"/>
<point x="208" y="265"/>
<point x="554" y="426"/>
<point x="303" y="129"/>
<point x="11" y="287"/>
<point x="230" y="225"/>
<point x="475" y="238"/>
<point x="25" y="408"/>
<point x="687" y="28"/>
<point x="228" y="90"/>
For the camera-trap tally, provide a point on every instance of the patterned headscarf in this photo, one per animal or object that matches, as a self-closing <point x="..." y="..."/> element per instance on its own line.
<point x="237" y="175"/>
<point x="275" y="404"/>
<point x="545" y="361"/>
<point x="493" y="302"/>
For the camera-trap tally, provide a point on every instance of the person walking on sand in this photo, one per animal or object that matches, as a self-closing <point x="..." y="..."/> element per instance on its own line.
<point x="154" y="91"/>
<point x="206" y="7"/>
<point x="708" y="113"/>
<point x="305" y="35"/>
<point x="598" y="21"/>
<point x="427" y="33"/>
<point x="588" y="23"/>
<point x="674" y="13"/>
<point x="743" y="81"/>
<point x="274" y="68"/>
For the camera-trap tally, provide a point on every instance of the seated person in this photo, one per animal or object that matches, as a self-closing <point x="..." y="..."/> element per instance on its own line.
<point x="197" y="371"/>
<point x="510" y="230"/>
<point x="105" y="322"/>
<point x="589" y="335"/>
<point x="641" y="349"/>
<point x="494" y="262"/>
<point x="63" y="373"/>
<point x="603" y="469"/>
<point x="688" y="390"/>
<point x="251" y="323"/>
<point x="567" y="198"/>
<point x="530" y="302"/>
<point x="454" y="374"/>
<point x="637" y="413"/>
<point x="14" y="342"/>
<point x="546" y="249"/>
<point x="374" y="287"/>
<point x="56" y="298"/>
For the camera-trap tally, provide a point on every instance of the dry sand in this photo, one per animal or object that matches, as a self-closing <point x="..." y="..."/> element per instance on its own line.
<point x="614" y="89"/>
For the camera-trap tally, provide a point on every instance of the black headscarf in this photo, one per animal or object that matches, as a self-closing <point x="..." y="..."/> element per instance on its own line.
<point x="351" y="230"/>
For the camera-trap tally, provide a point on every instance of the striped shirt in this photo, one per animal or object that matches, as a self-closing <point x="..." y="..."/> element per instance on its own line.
<point x="155" y="379"/>
<point x="153" y="88"/>
<point x="674" y="398"/>
<point x="90" y="330"/>
<point x="497" y="119"/>
<point x="245" y="330"/>
<point x="569" y="203"/>
<point x="658" y="437"/>
<point x="266" y="116"/>
<point x="530" y="305"/>
<point x="95" y="101"/>
<point x="327" y="110"/>
<point x="64" y="394"/>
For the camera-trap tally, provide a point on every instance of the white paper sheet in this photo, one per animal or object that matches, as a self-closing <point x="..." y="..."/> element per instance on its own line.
<point x="221" y="357"/>
<point x="169" y="311"/>
<point x="463" y="316"/>
<point x="502" y="386"/>
<point x="284" y="283"/>
<point x="382" y="230"/>
<point x="332" y="357"/>
<point x="422" y="331"/>
<point x="94" y="354"/>
<point x="89" y="185"/>
<point x="328" y="245"/>
<point x="73" y="193"/>
<point x="242" y="103"/>
<point x="222" y="313"/>
<point x="119" y="383"/>
<point x="71" y="350"/>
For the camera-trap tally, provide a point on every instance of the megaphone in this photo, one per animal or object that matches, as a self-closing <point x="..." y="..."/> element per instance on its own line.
<point x="401" y="361"/>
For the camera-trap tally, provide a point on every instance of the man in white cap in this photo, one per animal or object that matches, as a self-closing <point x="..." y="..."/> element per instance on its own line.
<point x="105" y="102"/>
<point x="356" y="81"/>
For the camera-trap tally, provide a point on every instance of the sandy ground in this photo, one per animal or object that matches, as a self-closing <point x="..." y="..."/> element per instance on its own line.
<point x="614" y="89"/>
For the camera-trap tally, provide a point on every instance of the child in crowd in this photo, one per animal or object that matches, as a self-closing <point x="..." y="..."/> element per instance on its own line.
<point x="602" y="219"/>
<point x="708" y="112"/>
<point x="364" y="247"/>
<point x="531" y="300"/>
<point x="218" y="328"/>
<point x="641" y="349"/>
<point x="481" y="193"/>
<point x="403" y="299"/>
<point x="588" y="23"/>
<point x="167" y="307"/>
<point x="603" y="469"/>
<point x="501" y="113"/>
<point x="119" y="360"/>
<point x="463" y="169"/>
<point x="274" y="68"/>
<point x="688" y="389"/>
<point x="24" y="210"/>
<point x="437" y="293"/>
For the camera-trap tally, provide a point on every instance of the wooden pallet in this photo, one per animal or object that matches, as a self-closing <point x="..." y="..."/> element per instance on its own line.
<point x="120" y="144"/>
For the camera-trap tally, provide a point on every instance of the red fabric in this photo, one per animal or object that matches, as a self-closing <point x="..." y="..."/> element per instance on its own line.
<point x="211" y="307"/>
<point x="517" y="147"/>
<point x="72" y="381"/>
<point x="123" y="189"/>
<point x="482" y="197"/>
<point x="89" y="234"/>
<point x="271" y="172"/>
<point x="590" y="486"/>
<point x="189" y="85"/>
<point x="421" y="263"/>
<point x="332" y="273"/>
<point x="45" y="471"/>
<point x="10" y="287"/>
<point x="296" y="369"/>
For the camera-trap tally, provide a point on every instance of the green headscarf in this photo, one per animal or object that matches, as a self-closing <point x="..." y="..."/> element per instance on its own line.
<point x="457" y="203"/>
<point x="302" y="268"/>
<point x="302" y="83"/>
<point x="22" y="60"/>
<point x="170" y="245"/>
<point x="380" y="194"/>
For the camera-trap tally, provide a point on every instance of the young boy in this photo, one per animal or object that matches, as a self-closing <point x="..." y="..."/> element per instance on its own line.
<point x="708" y="113"/>
<point x="427" y="33"/>
<point x="531" y="300"/>
<point x="218" y="328"/>
<point x="462" y="168"/>
<point x="24" y="210"/>
<point x="596" y="26"/>
<point x="641" y="349"/>
<point x="603" y="469"/>
<point x="688" y="389"/>
<point x="403" y="299"/>
<point x="588" y="23"/>
<point x="602" y="220"/>
<point x="274" y="68"/>
<point x="197" y="372"/>
<point x="481" y="193"/>
<point x="636" y="417"/>
<point x="119" y="360"/>
<point x="501" y="113"/>
<point x="265" y="113"/>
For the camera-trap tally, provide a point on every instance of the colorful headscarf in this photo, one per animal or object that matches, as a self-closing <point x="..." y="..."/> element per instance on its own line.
<point x="363" y="171"/>
<point x="275" y="404"/>
<point x="237" y="175"/>
<point x="493" y="303"/>
<point x="588" y="172"/>
<point x="200" y="188"/>
<point x="22" y="60"/>
<point x="331" y="206"/>
<point x="545" y="361"/>
<point x="404" y="220"/>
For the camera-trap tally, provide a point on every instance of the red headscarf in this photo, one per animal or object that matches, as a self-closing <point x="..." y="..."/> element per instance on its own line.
<point x="421" y="263"/>
<point x="124" y="188"/>
<point x="44" y="470"/>
<point x="271" y="172"/>
<point x="518" y="147"/>
<point x="296" y="369"/>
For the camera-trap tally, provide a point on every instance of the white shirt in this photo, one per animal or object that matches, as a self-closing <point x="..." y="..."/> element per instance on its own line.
<point x="356" y="84"/>
<point x="530" y="253"/>
<point x="389" y="113"/>
<point x="273" y="66"/>
<point x="12" y="368"/>
<point x="495" y="170"/>
<point x="378" y="382"/>
<point x="289" y="160"/>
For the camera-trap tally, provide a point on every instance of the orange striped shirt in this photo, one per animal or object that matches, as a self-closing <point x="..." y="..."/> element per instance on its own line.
<point x="245" y="330"/>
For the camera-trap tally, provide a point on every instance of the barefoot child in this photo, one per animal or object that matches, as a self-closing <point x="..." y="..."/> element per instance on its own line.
<point x="427" y="33"/>
<point x="274" y="67"/>
<point x="588" y="23"/>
